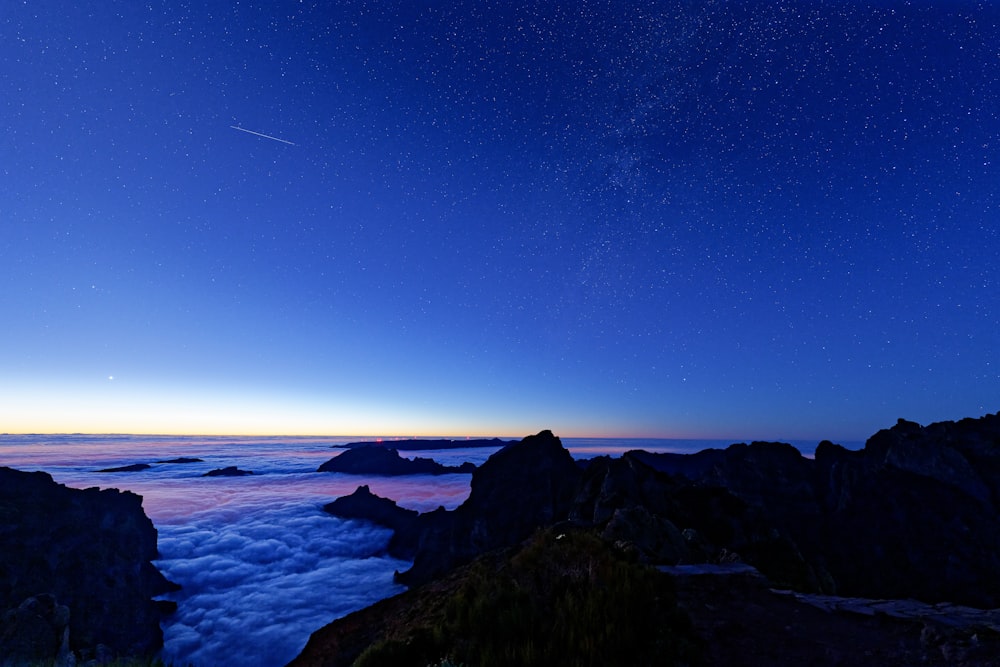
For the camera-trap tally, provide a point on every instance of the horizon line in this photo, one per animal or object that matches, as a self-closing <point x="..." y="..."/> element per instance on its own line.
<point x="391" y="437"/>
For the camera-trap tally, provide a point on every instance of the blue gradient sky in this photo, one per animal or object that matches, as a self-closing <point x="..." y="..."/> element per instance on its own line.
<point x="747" y="220"/>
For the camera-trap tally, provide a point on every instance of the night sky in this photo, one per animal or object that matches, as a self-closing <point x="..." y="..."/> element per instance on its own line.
<point x="678" y="219"/>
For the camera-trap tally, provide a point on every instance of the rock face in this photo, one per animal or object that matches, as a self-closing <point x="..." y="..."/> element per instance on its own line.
<point x="375" y="460"/>
<point x="522" y="487"/>
<point x="89" y="549"/>
<point x="671" y="519"/>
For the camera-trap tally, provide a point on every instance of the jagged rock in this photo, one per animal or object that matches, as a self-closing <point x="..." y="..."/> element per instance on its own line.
<point x="387" y="461"/>
<point x="228" y="471"/>
<point x="135" y="467"/>
<point x="611" y="484"/>
<point x="522" y="487"/>
<point x="938" y="452"/>
<point x="726" y="524"/>
<point x="92" y="550"/>
<point x="182" y="459"/>
<point x="910" y="515"/>
<point x="363" y="504"/>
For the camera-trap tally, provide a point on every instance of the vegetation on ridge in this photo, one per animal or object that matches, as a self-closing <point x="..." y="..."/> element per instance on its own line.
<point x="563" y="599"/>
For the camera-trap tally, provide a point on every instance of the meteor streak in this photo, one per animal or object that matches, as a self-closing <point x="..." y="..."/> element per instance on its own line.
<point x="266" y="136"/>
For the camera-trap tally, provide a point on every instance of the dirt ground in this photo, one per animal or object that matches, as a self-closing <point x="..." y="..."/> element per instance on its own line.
<point x="745" y="623"/>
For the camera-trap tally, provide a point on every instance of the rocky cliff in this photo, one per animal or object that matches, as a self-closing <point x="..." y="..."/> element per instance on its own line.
<point x="87" y="552"/>
<point x="523" y="486"/>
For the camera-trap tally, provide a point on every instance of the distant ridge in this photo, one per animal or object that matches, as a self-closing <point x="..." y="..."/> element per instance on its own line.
<point x="416" y="444"/>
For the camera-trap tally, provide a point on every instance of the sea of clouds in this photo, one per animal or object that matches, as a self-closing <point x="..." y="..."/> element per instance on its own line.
<point x="256" y="583"/>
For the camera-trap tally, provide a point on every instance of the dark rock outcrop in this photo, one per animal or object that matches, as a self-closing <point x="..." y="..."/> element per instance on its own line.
<point x="228" y="471"/>
<point x="913" y="514"/>
<point x="387" y="461"/>
<point x="89" y="549"/>
<point x="182" y="459"/>
<point x="645" y="510"/>
<point x="363" y="504"/>
<point x="135" y="467"/>
<point x="522" y="487"/>
<point x="418" y="444"/>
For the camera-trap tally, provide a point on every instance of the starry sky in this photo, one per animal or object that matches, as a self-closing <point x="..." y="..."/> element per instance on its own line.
<point x="660" y="219"/>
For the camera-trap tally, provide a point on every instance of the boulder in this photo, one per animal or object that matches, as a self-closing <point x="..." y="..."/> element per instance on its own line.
<point x="36" y="631"/>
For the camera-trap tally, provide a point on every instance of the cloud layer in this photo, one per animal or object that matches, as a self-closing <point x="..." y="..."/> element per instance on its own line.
<point x="256" y="585"/>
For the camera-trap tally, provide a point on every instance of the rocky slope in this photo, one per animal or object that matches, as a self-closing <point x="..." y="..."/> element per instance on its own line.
<point x="87" y="552"/>
<point x="561" y="599"/>
<point x="567" y="598"/>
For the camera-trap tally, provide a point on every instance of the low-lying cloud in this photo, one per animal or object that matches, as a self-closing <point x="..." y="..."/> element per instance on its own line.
<point x="255" y="588"/>
<point x="260" y="564"/>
